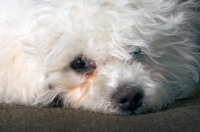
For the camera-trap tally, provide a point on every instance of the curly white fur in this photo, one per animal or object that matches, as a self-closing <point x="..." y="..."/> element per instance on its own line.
<point x="39" y="39"/>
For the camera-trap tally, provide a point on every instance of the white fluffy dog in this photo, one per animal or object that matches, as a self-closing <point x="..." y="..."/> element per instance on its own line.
<point x="109" y="56"/>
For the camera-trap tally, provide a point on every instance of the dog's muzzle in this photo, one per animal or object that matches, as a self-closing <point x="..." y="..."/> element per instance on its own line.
<point x="128" y="99"/>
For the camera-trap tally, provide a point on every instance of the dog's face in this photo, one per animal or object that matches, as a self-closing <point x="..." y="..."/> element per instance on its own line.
<point x="116" y="57"/>
<point x="107" y="79"/>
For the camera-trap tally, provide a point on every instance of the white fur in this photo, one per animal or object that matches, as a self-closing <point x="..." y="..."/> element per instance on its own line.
<point x="40" y="38"/>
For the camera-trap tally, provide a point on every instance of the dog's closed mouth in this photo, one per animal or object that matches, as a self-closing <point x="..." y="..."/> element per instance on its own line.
<point x="57" y="102"/>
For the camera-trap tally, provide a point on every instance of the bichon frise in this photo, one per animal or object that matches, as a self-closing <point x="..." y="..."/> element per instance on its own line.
<point x="109" y="56"/>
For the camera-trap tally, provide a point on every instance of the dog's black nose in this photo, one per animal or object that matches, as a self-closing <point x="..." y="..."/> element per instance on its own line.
<point x="128" y="98"/>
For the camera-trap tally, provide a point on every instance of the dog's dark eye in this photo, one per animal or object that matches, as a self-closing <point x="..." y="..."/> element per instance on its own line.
<point x="79" y="64"/>
<point x="137" y="54"/>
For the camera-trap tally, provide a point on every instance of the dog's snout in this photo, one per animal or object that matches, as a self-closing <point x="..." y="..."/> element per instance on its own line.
<point x="129" y="98"/>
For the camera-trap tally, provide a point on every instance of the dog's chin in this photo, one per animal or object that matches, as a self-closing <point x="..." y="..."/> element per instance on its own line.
<point x="107" y="107"/>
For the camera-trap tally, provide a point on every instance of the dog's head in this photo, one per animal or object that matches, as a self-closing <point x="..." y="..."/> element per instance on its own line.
<point x="117" y="57"/>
